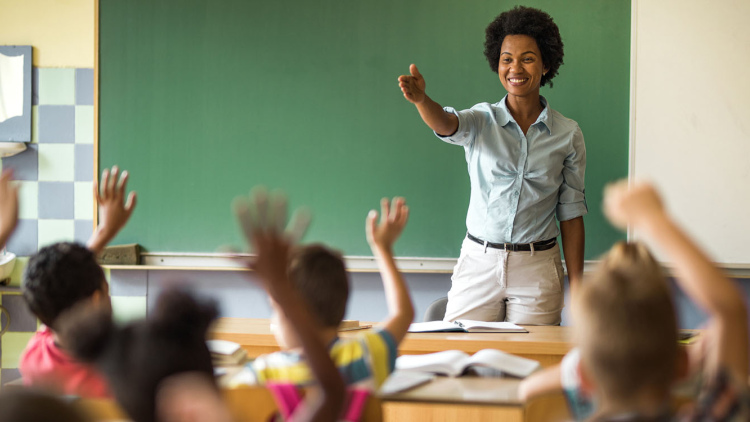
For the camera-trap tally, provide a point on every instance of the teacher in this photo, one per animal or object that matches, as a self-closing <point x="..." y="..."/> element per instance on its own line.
<point x="526" y="165"/>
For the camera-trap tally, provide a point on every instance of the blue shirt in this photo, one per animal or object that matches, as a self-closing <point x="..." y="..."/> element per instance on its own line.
<point x="519" y="182"/>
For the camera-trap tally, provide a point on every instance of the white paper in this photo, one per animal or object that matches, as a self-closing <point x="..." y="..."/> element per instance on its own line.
<point x="504" y="362"/>
<point x="400" y="381"/>
<point x="222" y="347"/>
<point x="478" y="326"/>
<point x="433" y="326"/>
<point x="448" y="362"/>
<point x="11" y="86"/>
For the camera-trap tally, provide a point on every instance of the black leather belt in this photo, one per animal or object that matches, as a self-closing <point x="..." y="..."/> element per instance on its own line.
<point x="542" y="245"/>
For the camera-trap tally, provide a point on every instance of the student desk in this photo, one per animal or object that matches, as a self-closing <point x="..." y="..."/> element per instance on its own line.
<point x="445" y="399"/>
<point x="471" y="399"/>
<point x="545" y="344"/>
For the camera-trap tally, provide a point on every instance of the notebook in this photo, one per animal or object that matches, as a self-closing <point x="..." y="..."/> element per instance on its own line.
<point x="486" y="362"/>
<point x="465" y="326"/>
<point x="225" y="353"/>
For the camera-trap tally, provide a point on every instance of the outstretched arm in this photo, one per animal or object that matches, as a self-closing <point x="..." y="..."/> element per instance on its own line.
<point x="262" y="219"/>
<point x="540" y="383"/>
<point x="8" y="206"/>
<point x="381" y="236"/>
<point x="641" y="207"/>
<point x="114" y="210"/>
<point x="413" y="87"/>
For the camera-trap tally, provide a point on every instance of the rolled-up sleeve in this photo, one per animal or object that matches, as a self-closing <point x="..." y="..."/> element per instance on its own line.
<point x="571" y="201"/>
<point x="467" y="127"/>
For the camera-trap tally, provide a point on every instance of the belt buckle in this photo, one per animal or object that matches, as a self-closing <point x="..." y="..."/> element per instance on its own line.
<point x="505" y="246"/>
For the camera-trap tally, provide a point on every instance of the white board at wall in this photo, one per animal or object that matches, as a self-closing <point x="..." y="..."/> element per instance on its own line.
<point x="691" y="111"/>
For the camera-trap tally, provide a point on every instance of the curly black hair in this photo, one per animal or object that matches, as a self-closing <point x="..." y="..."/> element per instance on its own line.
<point x="526" y="21"/>
<point x="137" y="357"/>
<point x="58" y="277"/>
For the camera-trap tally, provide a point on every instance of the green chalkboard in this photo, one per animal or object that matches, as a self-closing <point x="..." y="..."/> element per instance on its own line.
<point x="202" y="99"/>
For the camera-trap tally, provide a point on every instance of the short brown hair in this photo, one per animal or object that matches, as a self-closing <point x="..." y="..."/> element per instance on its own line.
<point x="320" y="276"/>
<point x="626" y="325"/>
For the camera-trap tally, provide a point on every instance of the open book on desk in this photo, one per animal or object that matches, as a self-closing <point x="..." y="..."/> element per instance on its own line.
<point x="486" y="362"/>
<point x="465" y="326"/>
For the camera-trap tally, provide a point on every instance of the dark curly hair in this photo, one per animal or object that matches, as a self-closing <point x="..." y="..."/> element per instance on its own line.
<point x="526" y="21"/>
<point x="137" y="357"/>
<point x="58" y="277"/>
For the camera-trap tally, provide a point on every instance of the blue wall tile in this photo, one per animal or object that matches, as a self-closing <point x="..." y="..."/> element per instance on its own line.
<point x="82" y="230"/>
<point x="128" y="282"/>
<point x="9" y="374"/>
<point x="35" y="86"/>
<point x="56" y="123"/>
<point x="25" y="165"/>
<point x="84" y="86"/>
<point x="25" y="240"/>
<point x="84" y="162"/>
<point x="56" y="200"/>
<point x="21" y="319"/>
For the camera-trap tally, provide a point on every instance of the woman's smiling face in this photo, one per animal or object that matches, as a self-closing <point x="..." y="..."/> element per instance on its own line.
<point x="520" y="68"/>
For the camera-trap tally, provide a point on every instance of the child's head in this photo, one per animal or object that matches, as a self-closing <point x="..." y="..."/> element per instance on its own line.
<point x="138" y="357"/>
<point x="61" y="275"/>
<point x="319" y="274"/>
<point x="530" y="22"/>
<point x="626" y="326"/>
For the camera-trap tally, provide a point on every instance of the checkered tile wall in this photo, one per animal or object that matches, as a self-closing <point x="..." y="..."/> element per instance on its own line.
<point x="55" y="176"/>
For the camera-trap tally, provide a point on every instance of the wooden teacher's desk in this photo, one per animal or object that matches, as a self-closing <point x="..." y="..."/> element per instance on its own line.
<point x="545" y="344"/>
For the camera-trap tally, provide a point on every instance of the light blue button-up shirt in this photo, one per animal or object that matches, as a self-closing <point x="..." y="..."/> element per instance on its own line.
<point x="519" y="182"/>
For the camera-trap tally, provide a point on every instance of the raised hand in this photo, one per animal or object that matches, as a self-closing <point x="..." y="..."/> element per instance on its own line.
<point x="383" y="234"/>
<point x="263" y="218"/>
<point x="413" y="86"/>
<point x="634" y="204"/>
<point x="114" y="209"/>
<point x="8" y="206"/>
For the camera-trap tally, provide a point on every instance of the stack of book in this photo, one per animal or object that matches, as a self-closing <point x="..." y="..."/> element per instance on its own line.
<point x="226" y="353"/>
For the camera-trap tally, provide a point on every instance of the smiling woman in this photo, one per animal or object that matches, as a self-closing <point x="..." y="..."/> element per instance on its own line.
<point x="526" y="165"/>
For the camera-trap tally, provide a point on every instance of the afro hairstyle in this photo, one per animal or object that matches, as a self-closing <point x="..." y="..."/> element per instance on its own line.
<point x="526" y="21"/>
<point x="137" y="357"/>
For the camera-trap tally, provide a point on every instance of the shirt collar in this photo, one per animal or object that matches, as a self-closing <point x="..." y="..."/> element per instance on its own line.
<point x="504" y="116"/>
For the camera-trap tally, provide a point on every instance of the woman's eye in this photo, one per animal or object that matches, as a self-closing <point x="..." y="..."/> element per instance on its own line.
<point x="529" y="60"/>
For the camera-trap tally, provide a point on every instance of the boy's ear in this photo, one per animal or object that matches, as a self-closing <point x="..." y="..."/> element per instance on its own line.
<point x="682" y="370"/>
<point x="587" y="383"/>
<point x="99" y="298"/>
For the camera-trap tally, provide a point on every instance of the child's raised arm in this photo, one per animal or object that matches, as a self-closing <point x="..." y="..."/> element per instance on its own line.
<point x="114" y="210"/>
<point x="641" y="207"/>
<point x="413" y="87"/>
<point x="381" y="236"/>
<point x="8" y="206"/>
<point x="263" y="219"/>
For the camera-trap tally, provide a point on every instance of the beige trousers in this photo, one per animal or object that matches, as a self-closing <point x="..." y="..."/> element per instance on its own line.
<point x="495" y="285"/>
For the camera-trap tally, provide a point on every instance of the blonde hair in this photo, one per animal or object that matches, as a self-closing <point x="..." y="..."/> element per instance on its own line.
<point x="626" y="325"/>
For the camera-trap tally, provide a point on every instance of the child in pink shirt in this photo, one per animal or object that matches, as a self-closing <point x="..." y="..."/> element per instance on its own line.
<point x="61" y="276"/>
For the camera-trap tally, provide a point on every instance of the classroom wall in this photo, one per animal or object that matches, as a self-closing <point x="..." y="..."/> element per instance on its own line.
<point x="691" y="120"/>
<point x="62" y="34"/>
<point x="61" y="31"/>
<point x="55" y="174"/>
<point x="239" y="297"/>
